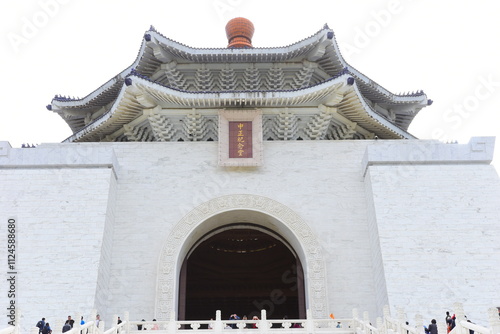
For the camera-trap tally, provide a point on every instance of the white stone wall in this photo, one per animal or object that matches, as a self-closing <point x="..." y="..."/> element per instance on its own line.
<point x="105" y="211"/>
<point x="61" y="211"/>
<point x="439" y="232"/>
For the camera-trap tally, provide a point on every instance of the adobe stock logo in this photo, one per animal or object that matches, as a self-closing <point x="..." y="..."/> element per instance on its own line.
<point x="456" y="115"/>
<point x="223" y="6"/>
<point x="32" y="24"/>
<point x="380" y="19"/>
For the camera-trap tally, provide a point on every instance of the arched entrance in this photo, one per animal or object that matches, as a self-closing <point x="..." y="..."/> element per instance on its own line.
<point x="241" y="268"/>
<point x="226" y="210"/>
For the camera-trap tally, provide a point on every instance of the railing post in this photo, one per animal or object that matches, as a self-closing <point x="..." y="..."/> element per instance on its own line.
<point x="459" y="312"/>
<point x="387" y="317"/>
<point x="58" y="326"/>
<point x="459" y="316"/>
<point x="17" y="329"/>
<point x="262" y="325"/>
<point x="218" y="322"/>
<point x="172" y="325"/>
<point x="419" y="324"/>
<point x="126" y="318"/>
<point x="93" y="315"/>
<point x="442" y="328"/>
<point x="355" y="319"/>
<point x="114" y="321"/>
<point x="78" y="322"/>
<point x="380" y="326"/>
<point x="309" y="322"/>
<point x="401" y="320"/>
<point x="494" y="320"/>
<point x="366" y="320"/>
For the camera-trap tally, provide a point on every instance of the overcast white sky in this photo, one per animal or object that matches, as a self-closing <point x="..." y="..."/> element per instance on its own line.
<point x="449" y="49"/>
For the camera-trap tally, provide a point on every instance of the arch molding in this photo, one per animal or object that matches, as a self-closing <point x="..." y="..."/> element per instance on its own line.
<point x="313" y="261"/>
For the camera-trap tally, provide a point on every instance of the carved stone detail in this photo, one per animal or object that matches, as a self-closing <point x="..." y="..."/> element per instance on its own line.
<point x="251" y="78"/>
<point x="227" y="79"/>
<point x="304" y="76"/>
<point x="203" y="79"/>
<point x="317" y="126"/>
<point x="138" y="133"/>
<point x="275" y="78"/>
<point x="163" y="130"/>
<point x="196" y="127"/>
<point x="315" y="275"/>
<point x="285" y="125"/>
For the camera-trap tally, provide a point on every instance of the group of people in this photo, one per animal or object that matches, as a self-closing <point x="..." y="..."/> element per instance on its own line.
<point x="234" y="316"/>
<point x="44" y="327"/>
<point x="255" y="318"/>
<point x="143" y="327"/>
<point x="450" y="324"/>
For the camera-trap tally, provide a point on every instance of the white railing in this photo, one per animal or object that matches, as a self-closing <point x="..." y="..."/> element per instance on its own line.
<point x="354" y="325"/>
<point x="9" y="330"/>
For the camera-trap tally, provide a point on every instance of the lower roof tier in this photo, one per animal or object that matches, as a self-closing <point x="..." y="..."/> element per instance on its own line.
<point x="148" y="111"/>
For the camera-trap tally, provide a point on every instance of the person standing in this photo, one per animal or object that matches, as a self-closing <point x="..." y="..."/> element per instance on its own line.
<point x="46" y="329"/>
<point x="433" y="329"/>
<point x="40" y="324"/>
<point x="66" y="327"/>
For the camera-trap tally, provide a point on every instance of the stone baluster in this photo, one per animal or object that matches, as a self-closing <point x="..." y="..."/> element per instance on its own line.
<point x="459" y="316"/>
<point x="218" y="322"/>
<point x="126" y="318"/>
<point x="17" y="327"/>
<point x="380" y="326"/>
<point x="459" y="312"/>
<point x="442" y="328"/>
<point x="172" y="324"/>
<point x="93" y="315"/>
<point x="57" y="327"/>
<point x="419" y="324"/>
<point x="78" y="322"/>
<point x="494" y="320"/>
<point x="262" y="324"/>
<point x="387" y="317"/>
<point x="309" y="322"/>
<point x="366" y="321"/>
<point x="401" y="320"/>
<point x="355" y="319"/>
<point x="114" y="321"/>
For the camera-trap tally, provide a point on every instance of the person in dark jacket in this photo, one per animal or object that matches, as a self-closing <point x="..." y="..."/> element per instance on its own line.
<point x="433" y="329"/>
<point x="66" y="326"/>
<point x="40" y="325"/>
<point x="46" y="329"/>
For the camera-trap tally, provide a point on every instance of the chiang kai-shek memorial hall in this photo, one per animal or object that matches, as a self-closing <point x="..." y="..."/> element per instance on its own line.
<point x="243" y="178"/>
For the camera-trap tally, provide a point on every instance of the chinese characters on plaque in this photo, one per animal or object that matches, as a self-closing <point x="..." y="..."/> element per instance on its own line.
<point x="240" y="139"/>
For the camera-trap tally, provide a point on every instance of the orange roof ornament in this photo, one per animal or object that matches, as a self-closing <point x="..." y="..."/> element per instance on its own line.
<point x="239" y="32"/>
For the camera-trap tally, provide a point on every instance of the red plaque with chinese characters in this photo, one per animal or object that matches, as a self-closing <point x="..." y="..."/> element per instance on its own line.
<point x="240" y="139"/>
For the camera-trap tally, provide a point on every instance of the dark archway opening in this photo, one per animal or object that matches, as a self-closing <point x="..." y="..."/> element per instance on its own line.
<point x="241" y="269"/>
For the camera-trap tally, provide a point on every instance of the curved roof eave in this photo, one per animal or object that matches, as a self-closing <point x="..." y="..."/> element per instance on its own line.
<point x="417" y="97"/>
<point x="188" y="99"/>
<point x="380" y="119"/>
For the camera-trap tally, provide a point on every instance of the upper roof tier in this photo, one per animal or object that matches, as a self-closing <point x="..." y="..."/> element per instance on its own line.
<point x="177" y="70"/>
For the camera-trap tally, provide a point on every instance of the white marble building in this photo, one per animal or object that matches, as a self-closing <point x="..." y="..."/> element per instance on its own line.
<point x="146" y="208"/>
